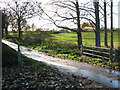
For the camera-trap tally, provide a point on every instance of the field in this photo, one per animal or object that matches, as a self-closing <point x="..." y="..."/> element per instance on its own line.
<point x="88" y="38"/>
<point x="64" y="45"/>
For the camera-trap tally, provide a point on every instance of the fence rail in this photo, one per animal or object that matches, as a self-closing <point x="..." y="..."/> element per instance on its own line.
<point x="100" y="52"/>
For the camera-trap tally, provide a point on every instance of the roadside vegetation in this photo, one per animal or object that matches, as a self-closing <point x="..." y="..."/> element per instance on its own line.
<point x="36" y="75"/>
<point x="64" y="45"/>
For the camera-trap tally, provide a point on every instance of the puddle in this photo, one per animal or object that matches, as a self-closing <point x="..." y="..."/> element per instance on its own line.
<point x="99" y="74"/>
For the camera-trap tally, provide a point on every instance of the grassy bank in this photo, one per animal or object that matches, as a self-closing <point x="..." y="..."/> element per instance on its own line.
<point x="37" y="75"/>
<point x="64" y="45"/>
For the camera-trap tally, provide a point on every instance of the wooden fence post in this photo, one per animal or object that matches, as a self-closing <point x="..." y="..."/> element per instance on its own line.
<point x="100" y="52"/>
<point x="92" y="51"/>
<point x="81" y="50"/>
<point x="111" y="53"/>
<point x="115" y="55"/>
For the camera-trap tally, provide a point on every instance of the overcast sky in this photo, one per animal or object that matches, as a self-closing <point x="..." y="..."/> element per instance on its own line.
<point x="45" y="24"/>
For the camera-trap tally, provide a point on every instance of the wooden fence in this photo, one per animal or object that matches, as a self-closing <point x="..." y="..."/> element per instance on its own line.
<point x="99" y="52"/>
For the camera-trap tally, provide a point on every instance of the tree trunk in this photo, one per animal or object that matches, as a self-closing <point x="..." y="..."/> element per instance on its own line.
<point x="19" y="51"/>
<point x="78" y="25"/>
<point x="2" y="32"/>
<point x="19" y="55"/>
<point x="97" y="24"/>
<point x="111" y="23"/>
<point x="6" y="31"/>
<point x="19" y="29"/>
<point x="3" y="24"/>
<point x="105" y="24"/>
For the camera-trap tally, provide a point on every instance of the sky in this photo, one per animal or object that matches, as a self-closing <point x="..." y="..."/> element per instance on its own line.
<point x="46" y="24"/>
<point x="119" y="15"/>
<point x="40" y="23"/>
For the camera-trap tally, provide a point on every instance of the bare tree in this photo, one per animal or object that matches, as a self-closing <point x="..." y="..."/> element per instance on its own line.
<point x="20" y="11"/>
<point x="68" y="11"/>
<point x="96" y="5"/>
<point x="6" y="21"/>
<point x="111" y="23"/>
<point x="78" y="25"/>
<point x="3" y="24"/>
<point x="6" y="25"/>
<point x="105" y="24"/>
<point x="102" y="18"/>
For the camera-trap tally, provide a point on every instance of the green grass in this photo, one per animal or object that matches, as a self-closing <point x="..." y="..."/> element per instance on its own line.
<point x="88" y="38"/>
<point x="9" y="56"/>
<point x="64" y="45"/>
